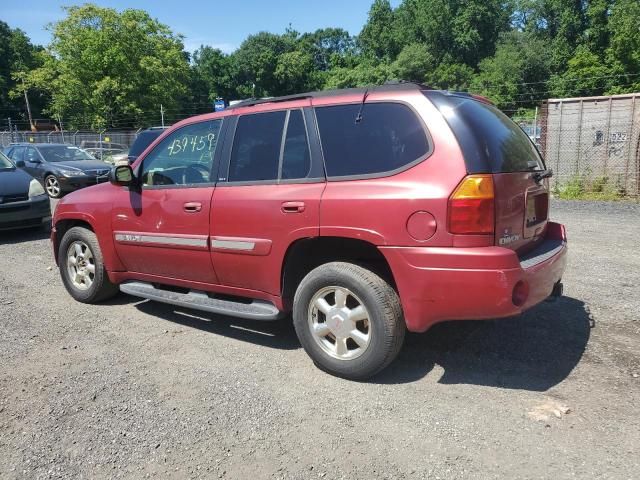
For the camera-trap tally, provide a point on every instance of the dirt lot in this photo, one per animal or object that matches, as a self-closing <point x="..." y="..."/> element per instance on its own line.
<point x="136" y="389"/>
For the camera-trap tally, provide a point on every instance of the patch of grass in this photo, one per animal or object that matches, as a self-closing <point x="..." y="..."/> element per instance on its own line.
<point x="581" y="188"/>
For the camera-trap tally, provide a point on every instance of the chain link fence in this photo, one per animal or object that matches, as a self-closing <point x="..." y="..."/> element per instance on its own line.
<point x="593" y="145"/>
<point x="77" y="138"/>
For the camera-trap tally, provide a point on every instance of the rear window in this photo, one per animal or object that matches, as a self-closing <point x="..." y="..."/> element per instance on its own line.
<point x="388" y="137"/>
<point x="490" y="141"/>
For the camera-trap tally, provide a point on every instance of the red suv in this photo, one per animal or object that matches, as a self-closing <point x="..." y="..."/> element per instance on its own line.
<point x="364" y="212"/>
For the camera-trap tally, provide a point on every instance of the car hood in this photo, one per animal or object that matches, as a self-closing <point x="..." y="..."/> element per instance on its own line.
<point x="14" y="182"/>
<point x="82" y="165"/>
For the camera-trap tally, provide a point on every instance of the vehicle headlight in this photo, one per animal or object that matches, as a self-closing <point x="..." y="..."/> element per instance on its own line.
<point x="35" y="189"/>
<point x="72" y="173"/>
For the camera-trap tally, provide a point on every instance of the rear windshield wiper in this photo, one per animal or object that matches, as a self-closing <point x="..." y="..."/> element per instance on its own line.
<point x="539" y="176"/>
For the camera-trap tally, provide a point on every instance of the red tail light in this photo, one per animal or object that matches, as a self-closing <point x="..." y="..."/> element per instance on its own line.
<point x="471" y="206"/>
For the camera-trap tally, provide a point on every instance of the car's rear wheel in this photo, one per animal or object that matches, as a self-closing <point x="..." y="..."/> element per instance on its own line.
<point x="349" y="320"/>
<point x="52" y="186"/>
<point x="82" y="268"/>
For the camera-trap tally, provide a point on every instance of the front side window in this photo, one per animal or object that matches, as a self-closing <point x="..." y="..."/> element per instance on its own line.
<point x="369" y="139"/>
<point x="256" y="147"/>
<point x="184" y="157"/>
<point x="31" y="155"/>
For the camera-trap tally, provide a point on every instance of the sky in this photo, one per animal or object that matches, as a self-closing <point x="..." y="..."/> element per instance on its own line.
<point x="220" y="24"/>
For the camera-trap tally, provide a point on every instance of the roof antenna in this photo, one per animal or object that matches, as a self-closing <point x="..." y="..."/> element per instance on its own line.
<point x="364" y="99"/>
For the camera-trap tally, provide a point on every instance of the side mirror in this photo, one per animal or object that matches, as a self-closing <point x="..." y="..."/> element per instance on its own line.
<point x="20" y="164"/>
<point x="121" y="175"/>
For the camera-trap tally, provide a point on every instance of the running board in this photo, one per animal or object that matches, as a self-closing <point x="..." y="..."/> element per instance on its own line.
<point x="256" y="310"/>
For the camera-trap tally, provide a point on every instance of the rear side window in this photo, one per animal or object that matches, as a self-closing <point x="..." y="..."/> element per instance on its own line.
<point x="255" y="155"/>
<point x="388" y="137"/>
<point x="490" y="141"/>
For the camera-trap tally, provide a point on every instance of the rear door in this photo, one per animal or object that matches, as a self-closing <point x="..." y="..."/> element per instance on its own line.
<point x="163" y="228"/>
<point x="268" y="196"/>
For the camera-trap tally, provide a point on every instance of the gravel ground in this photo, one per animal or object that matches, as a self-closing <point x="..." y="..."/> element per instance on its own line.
<point x="136" y="389"/>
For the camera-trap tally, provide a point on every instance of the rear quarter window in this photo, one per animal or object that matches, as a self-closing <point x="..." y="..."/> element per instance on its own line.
<point x="388" y="137"/>
<point x="490" y="141"/>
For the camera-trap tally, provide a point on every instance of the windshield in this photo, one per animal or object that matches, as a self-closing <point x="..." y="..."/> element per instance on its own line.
<point x="63" y="153"/>
<point x="5" y="162"/>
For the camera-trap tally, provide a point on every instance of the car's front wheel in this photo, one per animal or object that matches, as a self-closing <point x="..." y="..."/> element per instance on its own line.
<point x="348" y="320"/>
<point x="52" y="186"/>
<point x="82" y="268"/>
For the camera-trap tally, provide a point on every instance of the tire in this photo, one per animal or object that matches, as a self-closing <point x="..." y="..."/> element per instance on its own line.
<point x="336" y="347"/>
<point x="52" y="186"/>
<point x="90" y="283"/>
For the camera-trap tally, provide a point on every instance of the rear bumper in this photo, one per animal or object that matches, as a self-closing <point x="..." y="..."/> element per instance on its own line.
<point x="30" y="213"/>
<point x="438" y="284"/>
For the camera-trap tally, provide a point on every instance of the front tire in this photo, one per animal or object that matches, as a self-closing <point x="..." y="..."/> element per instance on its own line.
<point x="82" y="267"/>
<point x="348" y="320"/>
<point x="52" y="186"/>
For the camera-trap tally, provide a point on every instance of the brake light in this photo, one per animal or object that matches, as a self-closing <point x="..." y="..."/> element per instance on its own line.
<point x="471" y="206"/>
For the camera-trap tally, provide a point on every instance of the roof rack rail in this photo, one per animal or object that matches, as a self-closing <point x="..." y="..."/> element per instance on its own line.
<point x="393" y="84"/>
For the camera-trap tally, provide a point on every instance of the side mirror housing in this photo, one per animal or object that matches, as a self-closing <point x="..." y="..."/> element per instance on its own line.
<point x="20" y="164"/>
<point x="122" y="175"/>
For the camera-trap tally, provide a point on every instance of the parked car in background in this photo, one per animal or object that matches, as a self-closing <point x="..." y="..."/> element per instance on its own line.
<point x="100" y="150"/>
<point x="364" y="212"/>
<point x="23" y="202"/>
<point x="143" y="140"/>
<point x="59" y="167"/>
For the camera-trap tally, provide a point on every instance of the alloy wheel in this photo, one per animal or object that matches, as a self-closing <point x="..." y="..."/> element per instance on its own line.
<point x="80" y="265"/>
<point x="339" y="323"/>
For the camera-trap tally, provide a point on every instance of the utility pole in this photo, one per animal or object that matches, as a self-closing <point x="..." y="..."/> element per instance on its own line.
<point x="26" y="99"/>
<point x="61" y="127"/>
<point x="162" y="115"/>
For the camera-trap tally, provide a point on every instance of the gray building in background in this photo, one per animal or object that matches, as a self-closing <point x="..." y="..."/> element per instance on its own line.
<point x="593" y="139"/>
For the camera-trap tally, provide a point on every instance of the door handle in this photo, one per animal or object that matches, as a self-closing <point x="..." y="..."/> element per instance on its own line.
<point x="192" y="207"/>
<point x="293" y="207"/>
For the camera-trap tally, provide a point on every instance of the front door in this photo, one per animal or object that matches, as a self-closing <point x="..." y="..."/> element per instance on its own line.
<point x="162" y="229"/>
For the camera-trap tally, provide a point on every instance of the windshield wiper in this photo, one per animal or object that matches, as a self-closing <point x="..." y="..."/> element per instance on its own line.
<point x="539" y="176"/>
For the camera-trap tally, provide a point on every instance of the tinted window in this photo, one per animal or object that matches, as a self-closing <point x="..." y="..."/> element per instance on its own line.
<point x="256" y="147"/>
<point x="296" y="159"/>
<point x="490" y="141"/>
<point x="5" y="162"/>
<point x="388" y="137"/>
<point x="184" y="157"/>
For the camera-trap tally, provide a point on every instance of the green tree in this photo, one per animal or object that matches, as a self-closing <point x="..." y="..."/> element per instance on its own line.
<point x="326" y="45"/>
<point x="624" y="48"/>
<point x="17" y="57"/>
<point x="516" y="75"/>
<point x="212" y="76"/>
<point x="112" y="69"/>
<point x="378" y="38"/>
<point x="586" y="75"/>
<point x="413" y="63"/>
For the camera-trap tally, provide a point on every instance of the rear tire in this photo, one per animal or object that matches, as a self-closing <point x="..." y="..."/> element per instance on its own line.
<point x="82" y="267"/>
<point x="348" y="320"/>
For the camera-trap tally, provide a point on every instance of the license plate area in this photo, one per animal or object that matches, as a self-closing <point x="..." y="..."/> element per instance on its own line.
<point x="537" y="213"/>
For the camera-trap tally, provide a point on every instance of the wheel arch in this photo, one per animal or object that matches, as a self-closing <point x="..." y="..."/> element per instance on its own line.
<point x="305" y="254"/>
